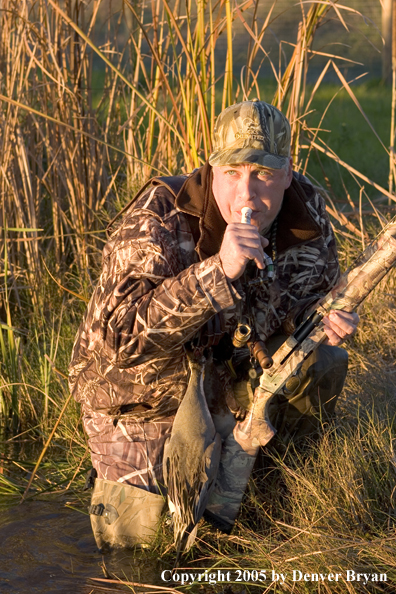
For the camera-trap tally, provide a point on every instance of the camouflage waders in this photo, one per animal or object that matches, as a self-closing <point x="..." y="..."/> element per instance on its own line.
<point x="125" y="510"/>
<point x="124" y="515"/>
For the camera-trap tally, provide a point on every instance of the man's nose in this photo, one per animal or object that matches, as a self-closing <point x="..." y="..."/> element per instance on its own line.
<point x="246" y="188"/>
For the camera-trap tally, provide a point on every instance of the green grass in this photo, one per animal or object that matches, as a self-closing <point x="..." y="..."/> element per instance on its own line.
<point x="346" y="132"/>
<point x="349" y="136"/>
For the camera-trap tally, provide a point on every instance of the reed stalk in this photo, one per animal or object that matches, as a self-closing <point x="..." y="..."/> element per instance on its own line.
<point x="392" y="160"/>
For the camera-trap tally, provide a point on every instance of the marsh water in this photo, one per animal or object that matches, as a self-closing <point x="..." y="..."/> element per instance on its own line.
<point x="46" y="547"/>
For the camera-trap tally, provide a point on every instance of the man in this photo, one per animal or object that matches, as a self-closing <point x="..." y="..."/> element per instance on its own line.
<point x="181" y="271"/>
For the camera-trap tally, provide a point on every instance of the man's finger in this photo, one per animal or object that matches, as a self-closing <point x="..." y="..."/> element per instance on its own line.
<point x="345" y="322"/>
<point x="256" y="254"/>
<point x="340" y="325"/>
<point x="264" y="241"/>
<point x="332" y="338"/>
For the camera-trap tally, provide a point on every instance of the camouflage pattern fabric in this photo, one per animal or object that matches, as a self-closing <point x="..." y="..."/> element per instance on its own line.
<point x="123" y="515"/>
<point x="251" y="132"/>
<point x="129" y="367"/>
<point x="130" y="452"/>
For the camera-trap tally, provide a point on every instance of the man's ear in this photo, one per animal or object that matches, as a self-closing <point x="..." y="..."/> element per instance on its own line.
<point x="289" y="173"/>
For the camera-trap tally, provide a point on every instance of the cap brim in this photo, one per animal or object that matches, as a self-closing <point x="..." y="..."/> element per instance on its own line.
<point x="247" y="155"/>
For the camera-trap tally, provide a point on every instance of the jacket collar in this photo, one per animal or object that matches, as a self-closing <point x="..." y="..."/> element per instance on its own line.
<point x="296" y="225"/>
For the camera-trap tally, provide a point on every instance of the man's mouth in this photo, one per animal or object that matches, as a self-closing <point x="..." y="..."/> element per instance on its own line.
<point x="254" y="214"/>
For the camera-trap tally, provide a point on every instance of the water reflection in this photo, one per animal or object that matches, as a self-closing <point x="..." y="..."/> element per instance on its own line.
<point x="48" y="548"/>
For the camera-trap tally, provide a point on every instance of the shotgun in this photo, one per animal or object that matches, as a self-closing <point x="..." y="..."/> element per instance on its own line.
<point x="241" y="447"/>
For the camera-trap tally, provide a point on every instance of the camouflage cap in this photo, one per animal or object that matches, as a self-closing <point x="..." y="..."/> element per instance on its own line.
<point x="251" y="132"/>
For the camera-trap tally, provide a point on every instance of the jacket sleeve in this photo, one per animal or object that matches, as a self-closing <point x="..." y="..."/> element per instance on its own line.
<point x="146" y="305"/>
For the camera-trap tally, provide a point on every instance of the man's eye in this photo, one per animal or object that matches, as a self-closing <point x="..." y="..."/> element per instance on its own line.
<point x="231" y="172"/>
<point x="263" y="173"/>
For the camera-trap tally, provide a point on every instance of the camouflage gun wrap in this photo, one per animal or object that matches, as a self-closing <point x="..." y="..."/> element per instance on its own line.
<point x="241" y="447"/>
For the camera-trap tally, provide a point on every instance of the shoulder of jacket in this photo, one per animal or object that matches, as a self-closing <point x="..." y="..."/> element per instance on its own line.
<point x="173" y="184"/>
<point x="308" y="188"/>
<point x="315" y="195"/>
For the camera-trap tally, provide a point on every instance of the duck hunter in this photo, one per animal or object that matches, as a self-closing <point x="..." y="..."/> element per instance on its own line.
<point x="203" y="279"/>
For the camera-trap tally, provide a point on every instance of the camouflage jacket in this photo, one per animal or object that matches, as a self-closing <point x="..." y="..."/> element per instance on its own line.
<point x="162" y="284"/>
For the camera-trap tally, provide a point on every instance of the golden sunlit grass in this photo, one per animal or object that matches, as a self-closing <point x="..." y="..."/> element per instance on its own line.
<point x="87" y="114"/>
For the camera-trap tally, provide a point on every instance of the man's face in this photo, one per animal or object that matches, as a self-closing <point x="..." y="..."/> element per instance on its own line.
<point x="259" y="188"/>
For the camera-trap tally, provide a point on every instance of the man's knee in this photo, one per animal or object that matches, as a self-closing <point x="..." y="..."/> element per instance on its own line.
<point x="312" y="394"/>
<point x="124" y="515"/>
<point x="326" y="371"/>
<point x="327" y="359"/>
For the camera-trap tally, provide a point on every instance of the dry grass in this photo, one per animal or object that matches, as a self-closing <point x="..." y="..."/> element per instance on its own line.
<point x="70" y="156"/>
